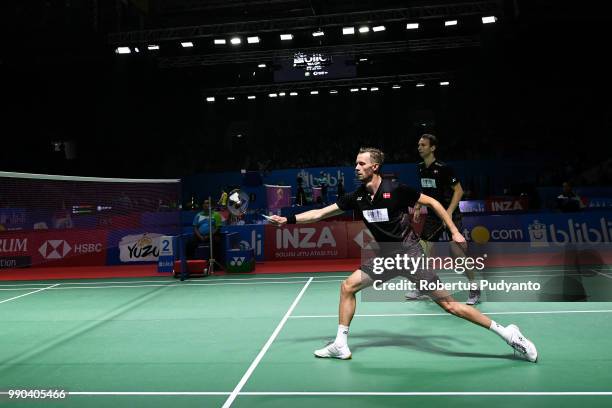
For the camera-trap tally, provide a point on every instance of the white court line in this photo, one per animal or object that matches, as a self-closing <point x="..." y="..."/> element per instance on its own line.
<point x="602" y="274"/>
<point x="179" y="285"/>
<point x="280" y="278"/>
<point x="304" y="278"/>
<point x="517" y="276"/>
<point x="316" y="277"/>
<point x="228" y="282"/>
<point x="173" y="284"/>
<point x="344" y="393"/>
<point x="461" y="276"/>
<point x="120" y="282"/>
<point x="265" y="348"/>
<point x="27" y="284"/>
<point x="146" y="393"/>
<point x="436" y="394"/>
<point x="534" y="269"/>
<point x="183" y="284"/>
<point x="447" y="314"/>
<point x="518" y="272"/>
<point x="29" y="293"/>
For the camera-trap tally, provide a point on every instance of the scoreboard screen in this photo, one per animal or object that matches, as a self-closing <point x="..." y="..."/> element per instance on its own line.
<point x="313" y="66"/>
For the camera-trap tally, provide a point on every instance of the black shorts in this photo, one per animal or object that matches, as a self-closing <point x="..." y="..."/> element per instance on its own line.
<point x="413" y="250"/>
<point x="434" y="227"/>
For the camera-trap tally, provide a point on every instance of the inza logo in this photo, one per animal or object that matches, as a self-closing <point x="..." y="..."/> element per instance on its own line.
<point x="304" y="238"/>
<point x="511" y="205"/>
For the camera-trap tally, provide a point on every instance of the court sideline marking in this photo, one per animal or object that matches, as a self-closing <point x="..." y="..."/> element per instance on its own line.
<point x="213" y="283"/>
<point x="601" y="273"/>
<point x="341" y="393"/>
<point x="256" y="278"/>
<point x="447" y="314"/>
<point x="29" y="293"/>
<point x="265" y="348"/>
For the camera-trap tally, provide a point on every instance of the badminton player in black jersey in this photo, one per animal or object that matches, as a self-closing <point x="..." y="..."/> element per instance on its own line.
<point x="383" y="205"/>
<point x="438" y="180"/>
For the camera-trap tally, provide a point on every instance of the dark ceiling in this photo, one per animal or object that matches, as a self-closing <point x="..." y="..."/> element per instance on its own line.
<point x="61" y="77"/>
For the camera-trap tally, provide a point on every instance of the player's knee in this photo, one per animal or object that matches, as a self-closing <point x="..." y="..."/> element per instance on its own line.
<point x="346" y="287"/>
<point x="453" y="308"/>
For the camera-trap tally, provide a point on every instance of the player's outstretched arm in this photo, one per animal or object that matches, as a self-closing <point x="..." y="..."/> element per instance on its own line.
<point x="441" y="212"/>
<point x="309" y="216"/>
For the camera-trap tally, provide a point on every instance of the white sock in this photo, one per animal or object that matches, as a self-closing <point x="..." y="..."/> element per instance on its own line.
<point x="342" y="336"/>
<point x="500" y="330"/>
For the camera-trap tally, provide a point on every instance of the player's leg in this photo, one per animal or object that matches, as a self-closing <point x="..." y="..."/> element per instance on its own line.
<point x="511" y="333"/>
<point x="348" y="303"/>
<point x="457" y="251"/>
<point x="432" y="230"/>
<point x="348" y="288"/>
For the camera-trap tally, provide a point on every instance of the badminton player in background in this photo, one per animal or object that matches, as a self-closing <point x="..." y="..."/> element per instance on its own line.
<point x="438" y="180"/>
<point x="383" y="205"/>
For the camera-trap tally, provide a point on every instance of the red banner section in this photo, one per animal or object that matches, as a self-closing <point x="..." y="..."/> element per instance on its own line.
<point x="317" y="241"/>
<point x="358" y="237"/>
<point x="306" y="241"/>
<point x="56" y="248"/>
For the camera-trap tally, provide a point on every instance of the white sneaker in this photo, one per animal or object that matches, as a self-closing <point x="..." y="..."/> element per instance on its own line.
<point x="521" y="344"/>
<point x="334" y="351"/>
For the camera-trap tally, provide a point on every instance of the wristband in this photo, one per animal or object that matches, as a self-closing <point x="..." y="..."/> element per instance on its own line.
<point x="291" y="219"/>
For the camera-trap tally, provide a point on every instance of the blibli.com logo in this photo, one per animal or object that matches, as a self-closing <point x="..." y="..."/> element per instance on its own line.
<point x="541" y="234"/>
<point x="309" y="179"/>
<point x="481" y="234"/>
<point x="256" y="243"/>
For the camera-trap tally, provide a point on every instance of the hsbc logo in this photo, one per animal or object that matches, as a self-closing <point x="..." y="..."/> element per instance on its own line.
<point x="54" y="249"/>
<point x="364" y="239"/>
<point x="59" y="249"/>
<point x="304" y="238"/>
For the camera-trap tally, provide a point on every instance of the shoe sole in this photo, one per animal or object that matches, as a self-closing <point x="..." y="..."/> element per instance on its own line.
<point x="338" y="358"/>
<point x="413" y="299"/>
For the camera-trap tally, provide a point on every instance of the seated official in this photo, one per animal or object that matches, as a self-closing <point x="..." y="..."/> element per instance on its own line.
<point x="201" y="229"/>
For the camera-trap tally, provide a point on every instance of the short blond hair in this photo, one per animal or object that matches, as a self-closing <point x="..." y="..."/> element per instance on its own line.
<point x="376" y="155"/>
